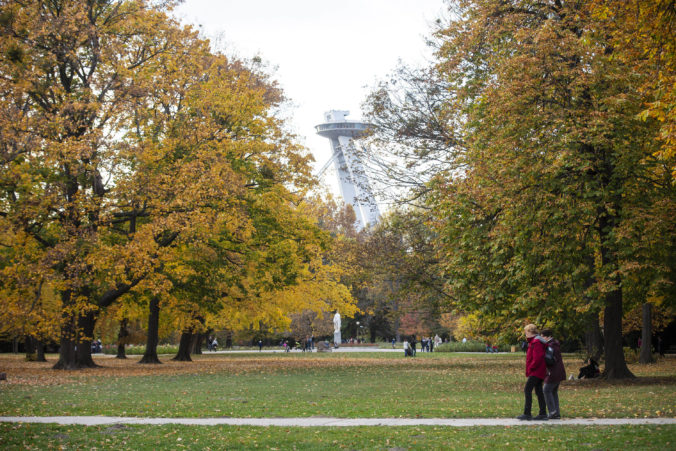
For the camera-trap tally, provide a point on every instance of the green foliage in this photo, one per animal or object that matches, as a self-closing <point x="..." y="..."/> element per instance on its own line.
<point x="468" y="346"/>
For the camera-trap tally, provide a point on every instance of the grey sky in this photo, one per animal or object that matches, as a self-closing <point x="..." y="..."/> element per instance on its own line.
<point x="326" y="53"/>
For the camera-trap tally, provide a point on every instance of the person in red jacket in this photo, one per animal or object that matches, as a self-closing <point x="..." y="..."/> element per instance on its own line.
<point x="536" y="371"/>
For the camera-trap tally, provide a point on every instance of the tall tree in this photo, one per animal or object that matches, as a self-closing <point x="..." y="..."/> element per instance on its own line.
<point x="555" y="145"/>
<point x="534" y="211"/>
<point x="70" y="70"/>
<point x="125" y="139"/>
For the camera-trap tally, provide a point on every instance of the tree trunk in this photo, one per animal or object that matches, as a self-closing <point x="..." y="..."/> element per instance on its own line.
<point x="150" y="355"/>
<point x="593" y="338"/>
<point x="67" y="357"/>
<point x="395" y="311"/>
<point x="122" y="335"/>
<point x="121" y="352"/>
<point x="41" y="352"/>
<point x="646" y="355"/>
<point x="35" y="349"/>
<point x="84" y="347"/>
<point x="31" y="352"/>
<point x="616" y="366"/>
<point x="40" y="348"/>
<point x="183" y="354"/>
<point x="197" y="340"/>
<point x="75" y="351"/>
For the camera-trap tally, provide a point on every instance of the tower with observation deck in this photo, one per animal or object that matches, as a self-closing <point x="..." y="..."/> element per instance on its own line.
<point x="352" y="179"/>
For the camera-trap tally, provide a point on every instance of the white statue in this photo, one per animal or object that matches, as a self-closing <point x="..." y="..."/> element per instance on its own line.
<point x="336" y="330"/>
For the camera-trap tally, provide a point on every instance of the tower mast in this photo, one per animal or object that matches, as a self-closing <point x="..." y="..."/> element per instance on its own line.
<point x="352" y="179"/>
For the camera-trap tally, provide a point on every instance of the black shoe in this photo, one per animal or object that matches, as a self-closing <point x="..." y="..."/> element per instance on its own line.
<point x="541" y="417"/>
<point x="554" y="417"/>
<point x="524" y="417"/>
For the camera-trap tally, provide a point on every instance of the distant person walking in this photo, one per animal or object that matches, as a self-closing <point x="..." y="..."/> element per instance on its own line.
<point x="555" y="374"/>
<point x="536" y="371"/>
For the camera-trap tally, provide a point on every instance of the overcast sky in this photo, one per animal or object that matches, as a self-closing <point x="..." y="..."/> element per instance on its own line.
<point x="327" y="53"/>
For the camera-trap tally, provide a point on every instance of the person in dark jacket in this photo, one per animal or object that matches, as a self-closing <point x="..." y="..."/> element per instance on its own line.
<point x="536" y="371"/>
<point x="555" y="374"/>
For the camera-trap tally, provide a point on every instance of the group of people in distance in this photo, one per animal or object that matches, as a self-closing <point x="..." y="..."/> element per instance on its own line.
<point x="212" y="343"/>
<point x="545" y="371"/>
<point x="97" y="348"/>
<point x="426" y="344"/>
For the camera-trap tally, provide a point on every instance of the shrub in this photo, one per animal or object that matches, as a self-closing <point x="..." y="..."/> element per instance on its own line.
<point x="469" y="346"/>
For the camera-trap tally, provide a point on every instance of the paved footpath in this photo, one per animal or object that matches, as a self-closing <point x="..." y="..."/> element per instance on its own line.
<point x="336" y="422"/>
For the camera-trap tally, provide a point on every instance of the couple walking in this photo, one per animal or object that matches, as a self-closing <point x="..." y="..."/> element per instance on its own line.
<point x="539" y="371"/>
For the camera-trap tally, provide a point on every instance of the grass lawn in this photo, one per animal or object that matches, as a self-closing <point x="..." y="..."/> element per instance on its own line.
<point x="344" y="385"/>
<point x="42" y="436"/>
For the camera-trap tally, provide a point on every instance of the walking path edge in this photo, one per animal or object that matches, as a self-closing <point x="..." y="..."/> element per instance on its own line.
<point x="335" y="422"/>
